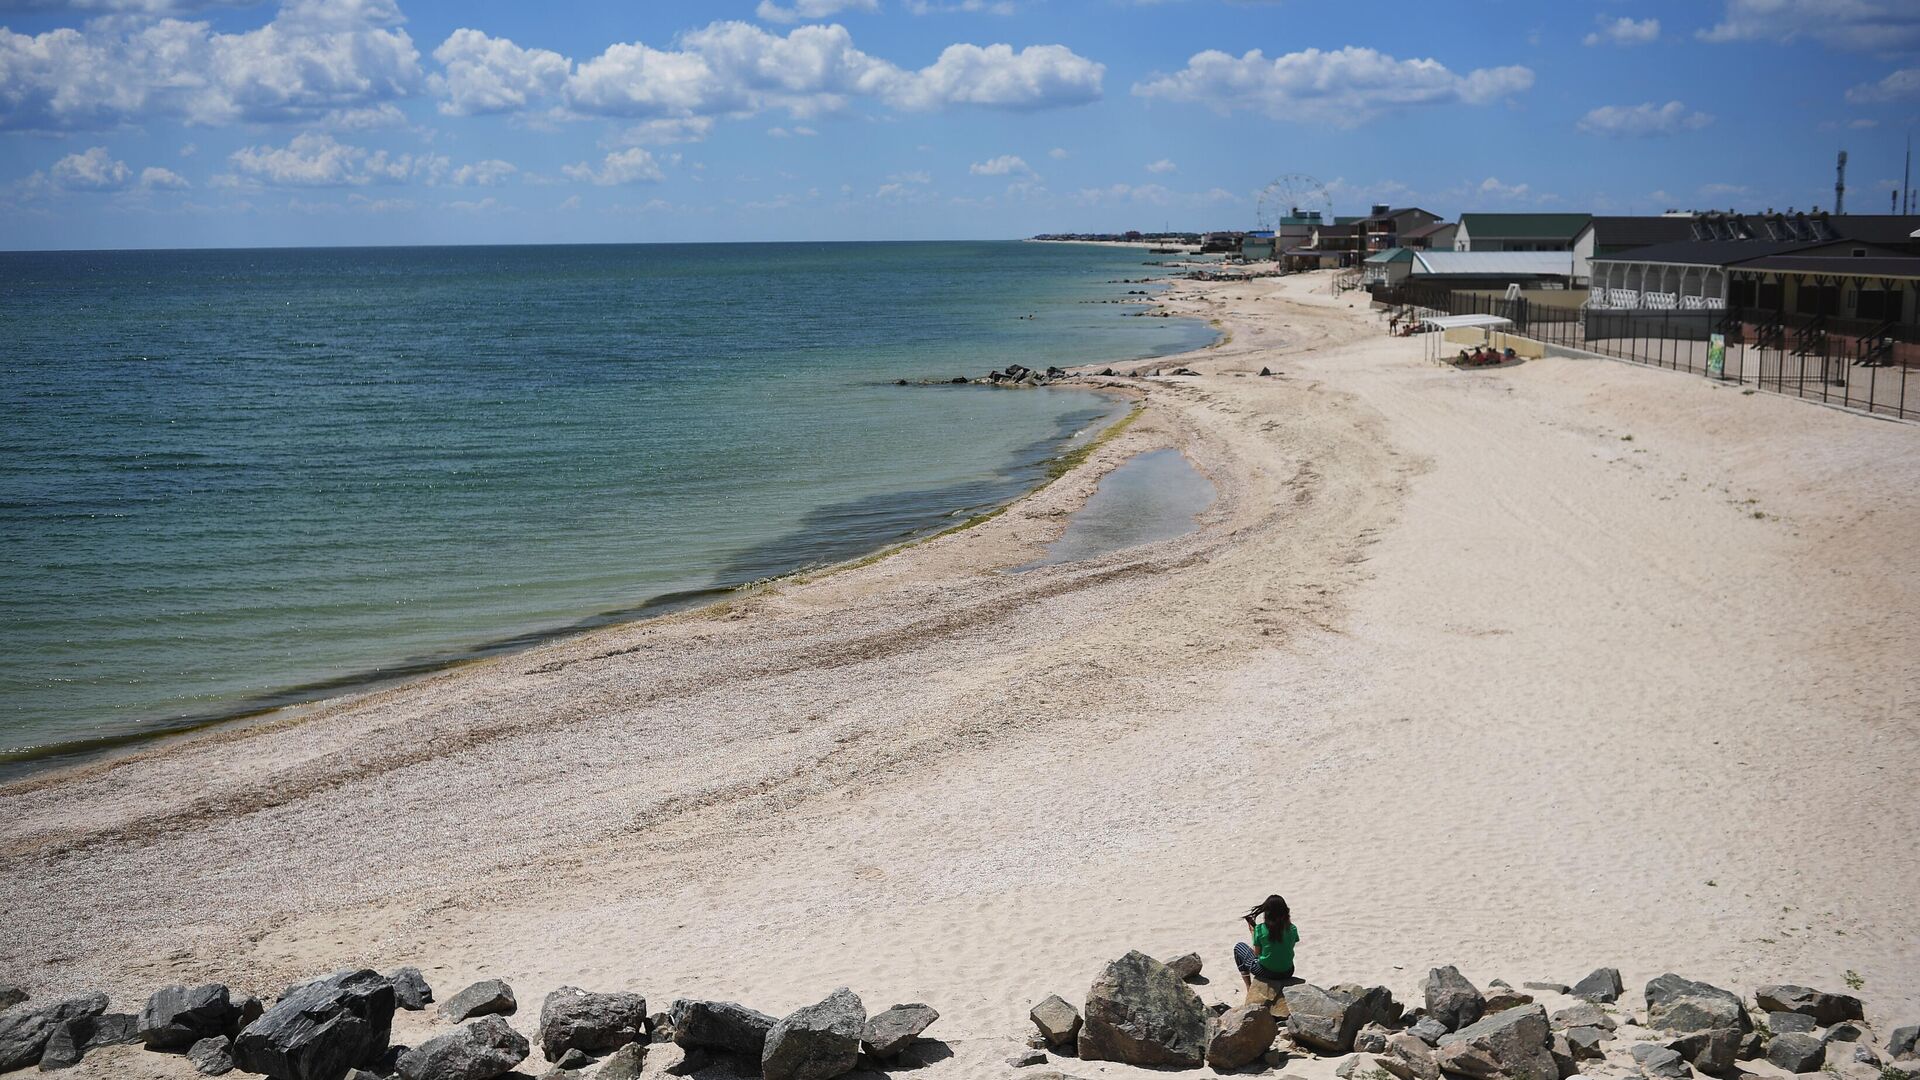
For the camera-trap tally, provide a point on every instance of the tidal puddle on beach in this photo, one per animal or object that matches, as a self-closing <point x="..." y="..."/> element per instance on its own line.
<point x="1152" y="496"/>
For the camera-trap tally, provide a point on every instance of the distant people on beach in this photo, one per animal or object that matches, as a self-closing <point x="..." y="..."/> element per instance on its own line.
<point x="1269" y="957"/>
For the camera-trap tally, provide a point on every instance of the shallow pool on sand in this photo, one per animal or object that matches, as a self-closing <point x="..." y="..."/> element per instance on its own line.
<point x="1152" y="496"/>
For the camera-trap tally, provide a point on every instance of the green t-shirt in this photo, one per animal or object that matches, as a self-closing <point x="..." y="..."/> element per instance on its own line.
<point x="1275" y="958"/>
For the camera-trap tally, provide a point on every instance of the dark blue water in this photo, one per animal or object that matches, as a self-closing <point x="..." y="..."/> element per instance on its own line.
<point x="231" y="479"/>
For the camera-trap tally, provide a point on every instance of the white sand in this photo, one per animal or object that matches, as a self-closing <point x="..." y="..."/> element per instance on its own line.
<point x="1466" y="672"/>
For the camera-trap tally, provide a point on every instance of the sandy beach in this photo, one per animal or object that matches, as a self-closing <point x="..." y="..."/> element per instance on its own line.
<point x="1528" y="670"/>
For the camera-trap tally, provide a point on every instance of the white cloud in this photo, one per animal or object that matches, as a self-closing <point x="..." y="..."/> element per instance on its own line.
<point x="313" y="159"/>
<point x="155" y="177"/>
<point x="1883" y="26"/>
<point x="91" y="170"/>
<point x="800" y="132"/>
<point x="1004" y="165"/>
<point x="1163" y="166"/>
<point x="918" y="176"/>
<point x="666" y="131"/>
<point x="313" y="59"/>
<point x="120" y="7"/>
<point x="811" y="9"/>
<point x="1344" y="87"/>
<point x="1036" y="77"/>
<point x="1492" y="188"/>
<point x="484" y="173"/>
<point x="631" y="166"/>
<point x="1058" y="153"/>
<point x="1634" y="121"/>
<point x="1901" y="85"/>
<point x="1624" y="31"/>
<point x="482" y="74"/>
<point x="968" y="7"/>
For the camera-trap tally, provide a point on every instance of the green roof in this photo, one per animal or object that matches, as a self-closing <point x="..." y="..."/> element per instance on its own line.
<point x="1525" y="226"/>
<point x="1347" y="219"/>
<point x="1391" y="255"/>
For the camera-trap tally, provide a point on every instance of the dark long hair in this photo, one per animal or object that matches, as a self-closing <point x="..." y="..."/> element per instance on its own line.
<point x="1274" y="910"/>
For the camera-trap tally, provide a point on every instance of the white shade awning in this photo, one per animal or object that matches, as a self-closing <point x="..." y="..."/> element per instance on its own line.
<point x="1449" y="322"/>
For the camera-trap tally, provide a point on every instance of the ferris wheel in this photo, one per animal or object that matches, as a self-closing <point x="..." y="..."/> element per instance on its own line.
<point x="1292" y="195"/>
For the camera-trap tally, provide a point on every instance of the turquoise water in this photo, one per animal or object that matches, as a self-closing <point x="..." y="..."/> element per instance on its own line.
<point x="1149" y="497"/>
<point x="235" y="479"/>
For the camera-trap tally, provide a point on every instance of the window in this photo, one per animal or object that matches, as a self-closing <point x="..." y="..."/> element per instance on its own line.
<point x="1877" y="304"/>
<point x="1743" y="292"/>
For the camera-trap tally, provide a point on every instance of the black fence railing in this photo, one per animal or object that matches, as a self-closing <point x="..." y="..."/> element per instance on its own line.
<point x="1859" y="364"/>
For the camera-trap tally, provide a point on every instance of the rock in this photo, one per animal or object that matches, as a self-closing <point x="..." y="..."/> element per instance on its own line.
<point x="1657" y="1060"/>
<point x="1712" y="1051"/>
<point x="1186" y="967"/>
<point x="1847" y="1031"/>
<point x="1826" y="1009"/>
<point x="1864" y="1054"/>
<point x="482" y="1050"/>
<point x="1451" y="999"/>
<point x="574" y="1060"/>
<point x="1797" y="1051"/>
<point x="1326" y="1021"/>
<point x="25" y="1031"/>
<point x="1582" y="1015"/>
<point x="726" y="1026"/>
<point x="1603" y="985"/>
<point x="572" y="1018"/>
<point x="1428" y="1030"/>
<point x="1276" y="1057"/>
<point x="488" y="997"/>
<point x="1584" y="1043"/>
<point x="176" y="1017"/>
<point x="1140" y="1013"/>
<point x="1037" y="1041"/>
<point x="112" y="1029"/>
<point x="320" y="1030"/>
<point x="1564" y="1064"/>
<point x="659" y="1028"/>
<point x="212" y="1056"/>
<point x="1506" y="998"/>
<point x="817" y="1042"/>
<point x="1025" y="1058"/>
<point x="624" y="1063"/>
<point x="1266" y="371"/>
<point x="1371" y="1039"/>
<point x="1781" y="1022"/>
<point x="410" y="989"/>
<point x="1409" y="1058"/>
<point x="11" y="995"/>
<point x="1547" y="987"/>
<point x="1460" y="1059"/>
<point x="891" y="1031"/>
<point x="1904" y="1042"/>
<point x="1517" y="1040"/>
<point x="64" y="1046"/>
<point x="1357" y="1065"/>
<point x="1240" y="1036"/>
<point x="1752" y="1047"/>
<point x="1677" y="1004"/>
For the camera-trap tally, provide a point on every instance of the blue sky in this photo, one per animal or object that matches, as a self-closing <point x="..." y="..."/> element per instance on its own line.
<point x="183" y="123"/>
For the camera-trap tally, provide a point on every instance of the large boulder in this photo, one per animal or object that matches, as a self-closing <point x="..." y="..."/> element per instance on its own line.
<point x="576" y="1019"/>
<point x="1714" y="1050"/>
<point x="1581" y="1015"/>
<point x="1797" y="1052"/>
<point x="321" y="1029"/>
<point x="1057" y="1020"/>
<point x="1826" y="1009"/>
<point x="410" y="989"/>
<point x="892" y="1031"/>
<point x="1603" y="985"/>
<point x="1517" y="1040"/>
<point x="1326" y="1021"/>
<point x="1140" y="1013"/>
<point x="488" y="997"/>
<point x="1462" y="1059"/>
<point x="625" y="1063"/>
<point x="726" y="1026"/>
<point x="818" y="1042"/>
<point x="176" y="1017"/>
<point x="482" y="1050"/>
<point x="25" y="1030"/>
<point x="1658" y="1061"/>
<point x="212" y="1056"/>
<point x="1903" y="1042"/>
<point x="1782" y="1022"/>
<point x="1408" y="1057"/>
<point x="1240" y="1036"/>
<point x="1677" y="1004"/>
<point x="1451" y="999"/>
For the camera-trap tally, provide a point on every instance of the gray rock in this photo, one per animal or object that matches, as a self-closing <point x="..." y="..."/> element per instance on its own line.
<point x="1428" y="1030"/>
<point x="818" y="1042"/>
<point x="1275" y="1057"/>
<point x="11" y="995"/>
<point x="1797" y="1052"/>
<point x="488" y="997"/>
<point x="1506" y="998"/>
<point x="1584" y="1014"/>
<point x="176" y="1017"/>
<point x="1327" y="1021"/>
<point x="1603" y="985"/>
<point x="659" y="1027"/>
<point x="320" y="1030"/>
<point x="1517" y="1040"/>
<point x="1026" y="1058"/>
<point x="1547" y="987"/>
<point x="1241" y="1036"/>
<point x="410" y="989"/>
<point x="1826" y="1009"/>
<point x="1677" y="1004"/>
<point x="1564" y="1065"/>
<point x="64" y="1046"/>
<point x="25" y="1030"/>
<point x="1140" y="1013"/>
<point x="1451" y="999"/>
<point x="726" y="1026"/>
<point x="1782" y="1022"/>
<point x="112" y="1029"/>
<point x="1187" y="967"/>
<point x="1371" y="1039"/>
<point x="1354" y="1066"/>
<point x="893" y="1030"/>
<point x="1752" y="1047"/>
<point x="572" y="1018"/>
<point x="1585" y="1043"/>
<point x="212" y="1056"/>
<point x="482" y="1050"/>
<point x="624" y="1063"/>
<point x="1409" y="1058"/>
<point x="1848" y="1031"/>
<point x="1656" y="1060"/>
<point x="1904" y="1042"/>
<point x="1058" y="1021"/>
<point x="1863" y="1053"/>
<point x="1711" y="1051"/>
<point x="574" y="1060"/>
<point x="1460" y="1059"/>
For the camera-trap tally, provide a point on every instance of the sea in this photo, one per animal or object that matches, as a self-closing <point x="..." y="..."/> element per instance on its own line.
<point x="237" y="480"/>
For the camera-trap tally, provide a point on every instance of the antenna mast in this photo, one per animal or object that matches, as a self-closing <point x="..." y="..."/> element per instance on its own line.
<point x="1840" y="186"/>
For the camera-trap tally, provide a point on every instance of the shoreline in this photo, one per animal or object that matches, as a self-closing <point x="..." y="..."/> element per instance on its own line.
<point x="1397" y="615"/>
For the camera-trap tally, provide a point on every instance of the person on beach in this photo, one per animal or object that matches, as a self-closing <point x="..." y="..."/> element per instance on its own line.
<point x="1270" y="957"/>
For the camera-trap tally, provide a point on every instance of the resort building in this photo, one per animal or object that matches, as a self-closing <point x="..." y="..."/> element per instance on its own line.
<point x="1468" y="269"/>
<point x="1612" y="235"/>
<point x="1518" y="232"/>
<point x="1437" y="236"/>
<point x="1382" y="227"/>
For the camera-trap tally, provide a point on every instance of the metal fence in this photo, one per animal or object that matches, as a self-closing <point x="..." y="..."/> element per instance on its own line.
<point x="1858" y="364"/>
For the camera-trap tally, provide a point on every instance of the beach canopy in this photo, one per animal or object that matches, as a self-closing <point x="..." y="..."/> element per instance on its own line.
<point x="1449" y="322"/>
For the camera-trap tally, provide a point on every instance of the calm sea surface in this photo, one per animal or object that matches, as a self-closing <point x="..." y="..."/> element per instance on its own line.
<point x="234" y="479"/>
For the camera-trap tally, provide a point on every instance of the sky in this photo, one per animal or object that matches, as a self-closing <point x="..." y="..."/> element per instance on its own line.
<point x="233" y="123"/>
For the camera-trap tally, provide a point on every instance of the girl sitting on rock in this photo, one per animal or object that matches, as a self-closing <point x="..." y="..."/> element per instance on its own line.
<point x="1270" y="957"/>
